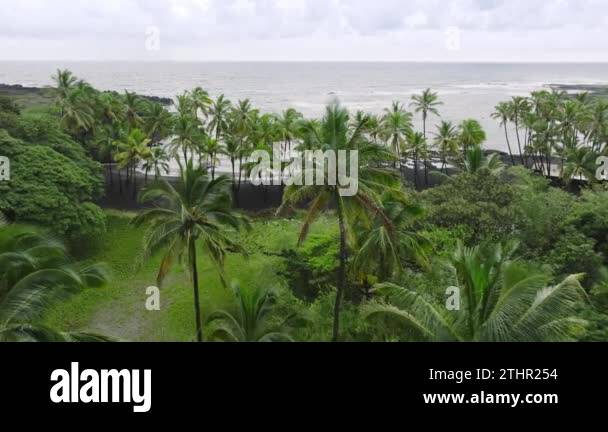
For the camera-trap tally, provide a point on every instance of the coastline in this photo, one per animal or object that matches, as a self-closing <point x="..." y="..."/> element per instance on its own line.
<point x="24" y="94"/>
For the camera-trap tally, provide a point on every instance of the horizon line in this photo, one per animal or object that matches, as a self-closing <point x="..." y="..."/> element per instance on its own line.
<point x="308" y="61"/>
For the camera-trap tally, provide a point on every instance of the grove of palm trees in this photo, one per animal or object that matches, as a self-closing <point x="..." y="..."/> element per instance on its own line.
<point x="443" y="241"/>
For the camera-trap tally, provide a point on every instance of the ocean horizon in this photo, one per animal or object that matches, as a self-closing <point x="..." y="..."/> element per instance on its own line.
<point x="467" y="90"/>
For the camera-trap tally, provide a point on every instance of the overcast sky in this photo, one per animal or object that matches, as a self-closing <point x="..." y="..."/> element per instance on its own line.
<point x="298" y="30"/>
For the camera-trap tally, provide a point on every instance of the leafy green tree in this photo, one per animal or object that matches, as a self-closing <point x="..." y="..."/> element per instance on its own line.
<point x="49" y="189"/>
<point x="251" y="320"/>
<point x="196" y="210"/>
<point x="501" y="300"/>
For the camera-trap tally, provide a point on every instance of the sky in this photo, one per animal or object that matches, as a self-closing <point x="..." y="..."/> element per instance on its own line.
<point x="306" y="30"/>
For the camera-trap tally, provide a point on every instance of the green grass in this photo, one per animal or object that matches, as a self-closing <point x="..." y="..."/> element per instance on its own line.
<point x="118" y="310"/>
<point x="30" y="100"/>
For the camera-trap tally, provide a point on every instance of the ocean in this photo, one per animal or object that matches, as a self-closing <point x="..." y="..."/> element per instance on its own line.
<point x="467" y="90"/>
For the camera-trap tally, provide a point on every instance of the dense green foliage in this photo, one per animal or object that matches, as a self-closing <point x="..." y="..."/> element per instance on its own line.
<point x="495" y="252"/>
<point x="53" y="181"/>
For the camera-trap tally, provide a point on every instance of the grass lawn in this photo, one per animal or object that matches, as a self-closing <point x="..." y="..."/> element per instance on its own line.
<point x="118" y="309"/>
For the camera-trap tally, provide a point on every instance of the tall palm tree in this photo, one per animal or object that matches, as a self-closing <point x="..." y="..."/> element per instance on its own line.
<point x="288" y="124"/>
<point x="502" y="300"/>
<point x="426" y="103"/>
<point x="201" y="101"/>
<point x="35" y="272"/>
<point x="219" y="113"/>
<point x="157" y="122"/>
<point x="251" y="322"/>
<point x="234" y="151"/>
<point x="156" y="161"/>
<point x="65" y="82"/>
<point x="518" y="108"/>
<point x="503" y="114"/>
<point x="213" y="149"/>
<point x="416" y="145"/>
<point x="131" y="151"/>
<point x="77" y="113"/>
<point x="196" y="210"/>
<point x="336" y="133"/>
<point x="187" y="136"/>
<point x="446" y="142"/>
<point x="396" y="125"/>
<point x="134" y="106"/>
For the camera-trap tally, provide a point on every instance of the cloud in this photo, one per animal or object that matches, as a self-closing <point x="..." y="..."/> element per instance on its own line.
<point x="267" y="29"/>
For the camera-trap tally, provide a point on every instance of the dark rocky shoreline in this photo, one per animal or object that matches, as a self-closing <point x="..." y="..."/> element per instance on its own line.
<point x="17" y="90"/>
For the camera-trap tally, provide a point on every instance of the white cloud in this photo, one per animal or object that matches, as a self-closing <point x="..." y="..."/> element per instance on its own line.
<point x="305" y="29"/>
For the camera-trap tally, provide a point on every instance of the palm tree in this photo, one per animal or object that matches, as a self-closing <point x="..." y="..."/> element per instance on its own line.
<point x="187" y="136"/>
<point x="134" y="107"/>
<point x="580" y="164"/>
<point x="426" y="103"/>
<point x="131" y="151"/>
<point x="65" y="82"/>
<point x="503" y="114"/>
<point x="77" y="115"/>
<point x="157" y="122"/>
<point x="288" y="124"/>
<point x="396" y="125"/>
<point x="35" y="272"/>
<point x="502" y="300"/>
<point x="335" y="133"/>
<point x="382" y="251"/>
<point x="201" y="101"/>
<point x="213" y="149"/>
<point x="233" y="150"/>
<point x="471" y="134"/>
<point x="446" y="142"/>
<point x="475" y="160"/>
<point x="197" y="209"/>
<point x="518" y="108"/>
<point x="251" y="321"/>
<point x="219" y="113"/>
<point x="416" y="145"/>
<point x="157" y="162"/>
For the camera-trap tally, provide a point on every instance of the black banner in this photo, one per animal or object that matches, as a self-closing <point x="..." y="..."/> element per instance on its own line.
<point x="211" y="380"/>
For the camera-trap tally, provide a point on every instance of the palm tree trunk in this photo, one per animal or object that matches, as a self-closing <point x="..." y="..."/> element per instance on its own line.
<point x="197" y="305"/>
<point x="212" y="166"/>
<point x="134" y="183"/>
<point x="521" y="154"/>
<point x="341" y="272"/>
<point x="509" y="145"/>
